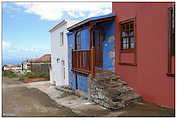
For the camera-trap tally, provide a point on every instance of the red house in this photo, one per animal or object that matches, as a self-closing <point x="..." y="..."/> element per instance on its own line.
<point x="145" y="49"/>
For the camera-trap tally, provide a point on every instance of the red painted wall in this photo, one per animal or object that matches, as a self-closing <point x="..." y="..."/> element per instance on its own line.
<point x="149" y="77"/>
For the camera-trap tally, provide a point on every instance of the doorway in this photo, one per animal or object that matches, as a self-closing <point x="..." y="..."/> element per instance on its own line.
<point x="97" y="43"/>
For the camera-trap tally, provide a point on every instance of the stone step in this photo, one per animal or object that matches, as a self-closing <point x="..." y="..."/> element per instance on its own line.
<point x="108" y="90"/>
<point x="126" y="99"/>
<point x="106" y="76"/>
<point x="106" y="80"/>
<point x="115" y="84"/>
<point x="112" y="93"/>
<point x="109" y="83"/>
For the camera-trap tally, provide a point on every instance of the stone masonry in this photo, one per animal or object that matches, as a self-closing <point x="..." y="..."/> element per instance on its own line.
<point x="107" y="90"/>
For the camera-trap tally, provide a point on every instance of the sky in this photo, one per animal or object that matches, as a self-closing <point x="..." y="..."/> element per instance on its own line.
<point x="26" y="25"/>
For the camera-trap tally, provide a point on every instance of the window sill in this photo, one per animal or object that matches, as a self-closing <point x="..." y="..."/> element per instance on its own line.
<point x="170" y="75"/>
<point x="129" y="64"/>
<point x="127" y="51"/>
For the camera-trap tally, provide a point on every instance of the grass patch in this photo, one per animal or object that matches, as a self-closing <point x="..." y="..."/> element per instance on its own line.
<point x="35" y="75"/>
<point x="11" y="74"/>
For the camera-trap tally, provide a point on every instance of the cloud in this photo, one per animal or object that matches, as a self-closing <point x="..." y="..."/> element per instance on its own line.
<point x="57" y="10"/>
<point x="10" y="7"/>
<point x="5" y="44"/>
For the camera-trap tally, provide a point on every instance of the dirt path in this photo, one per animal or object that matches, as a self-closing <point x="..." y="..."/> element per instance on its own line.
<point x="18" y="100"/>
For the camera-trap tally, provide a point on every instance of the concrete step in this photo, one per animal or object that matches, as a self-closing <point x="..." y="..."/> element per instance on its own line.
<point x="65" y="89"/>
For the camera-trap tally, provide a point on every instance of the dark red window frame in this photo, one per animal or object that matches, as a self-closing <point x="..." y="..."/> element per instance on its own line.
<point x="128" y="35"/>
<point x="171" y="39"/>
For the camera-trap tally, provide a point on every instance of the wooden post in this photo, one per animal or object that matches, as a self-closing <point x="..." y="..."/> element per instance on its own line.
<point x="93" y="62"/>
<point x="72" y="59"/>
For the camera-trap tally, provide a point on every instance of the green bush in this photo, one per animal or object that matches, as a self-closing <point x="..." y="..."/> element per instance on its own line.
<point x="22" y="77"/>
<point x="31" y="75"/>
<point x="43" y="75"/>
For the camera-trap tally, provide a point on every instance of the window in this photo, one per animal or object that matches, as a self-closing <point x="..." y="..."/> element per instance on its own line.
<point x="78" y="40"/>
<point x="127" y="35"/>
<point x="61" y="38"/>
<point x="171" y="41"/>
<point x="171" y="14"/>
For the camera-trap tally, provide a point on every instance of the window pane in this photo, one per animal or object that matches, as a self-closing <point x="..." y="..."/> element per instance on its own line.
<point x="123" y="27"/>
<point x="131" y="32"/>
<point x="127" y="40"/>
<point x="132" y="26"/>
<point x="127" y="46"/>
<point x="124" y="46"/>
<point x="78" y="40"/>
<point x="61" y="38"/>
<point x="132" y="45"/>
<point x="127" y="35"/>
<point x="127" y="26"/>
<point x="172" y="30"/>
<point x="124" y="34"/>
<point x="173" y="18"/>
<point x="132" y="39"/>
<point x="124" y="40"/>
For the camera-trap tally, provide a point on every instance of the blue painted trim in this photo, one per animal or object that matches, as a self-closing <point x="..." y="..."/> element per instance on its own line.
<point x="91" y="19"/>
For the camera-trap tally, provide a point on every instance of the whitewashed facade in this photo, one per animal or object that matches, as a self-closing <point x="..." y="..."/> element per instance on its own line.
<point x="59" y="53"/>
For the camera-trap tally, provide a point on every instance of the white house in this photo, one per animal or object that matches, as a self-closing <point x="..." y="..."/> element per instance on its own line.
<point x="59" y="53"/>
<point x="15" y="68"/>
<point x="26" y="66"/>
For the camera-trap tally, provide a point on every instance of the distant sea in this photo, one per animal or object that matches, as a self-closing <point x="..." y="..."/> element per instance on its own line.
<point x="12" y="61"/>
<point x="17" y="56"/>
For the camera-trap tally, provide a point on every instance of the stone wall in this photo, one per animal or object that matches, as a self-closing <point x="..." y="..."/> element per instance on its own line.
<point x="39" y="67"/>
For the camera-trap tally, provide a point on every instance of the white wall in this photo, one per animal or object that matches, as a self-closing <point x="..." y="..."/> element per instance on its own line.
<point x="60" y="52"/>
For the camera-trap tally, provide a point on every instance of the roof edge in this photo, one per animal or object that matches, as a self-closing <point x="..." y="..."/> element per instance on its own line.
<point x="58" y="25"/>
<point x="91" y="19"/>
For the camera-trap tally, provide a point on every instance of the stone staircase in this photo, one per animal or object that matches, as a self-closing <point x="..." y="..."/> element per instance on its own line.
<point x="107" y="90"/>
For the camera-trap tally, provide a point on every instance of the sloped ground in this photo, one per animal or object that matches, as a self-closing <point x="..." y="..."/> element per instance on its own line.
<point x="85" y="108"/>
<point x="41" y="99"/>
<point x="19" y="100"/>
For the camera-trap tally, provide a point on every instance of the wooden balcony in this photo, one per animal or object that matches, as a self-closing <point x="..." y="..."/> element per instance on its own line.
<point x="83" y="61"/>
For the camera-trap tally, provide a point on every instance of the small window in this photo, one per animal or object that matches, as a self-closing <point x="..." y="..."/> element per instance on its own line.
<point x="61" y="38"/>
<point x="78" y="40"/>
<point x="127" y="35"/>
<point x="172" y="30"/>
